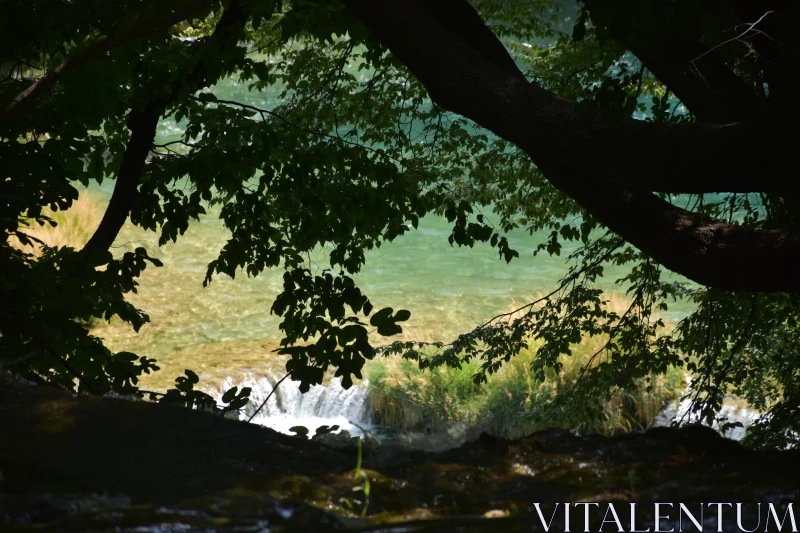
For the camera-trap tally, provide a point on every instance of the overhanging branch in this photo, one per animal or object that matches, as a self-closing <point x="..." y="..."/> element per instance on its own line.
<point x="672" y="51"/>
<point x="707" y="251"/>
<point x="140" y="30"/>
<point x="741" y="157"/>
<point x="611" y="169"/>
<point x="143" y="128"/>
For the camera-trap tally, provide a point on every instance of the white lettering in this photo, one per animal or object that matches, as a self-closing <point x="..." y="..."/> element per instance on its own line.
<point x="659" y="518"/>
<point x="586" y="514"/>
<point x="615" y="520"/>
<point x="633" y="521"/>
<point x="789" y="511"/>
<point x="739" y="518"/>
<point x="541" y="516"/>
<point x="682" y="509"/>
<point x="566" y="517"/>
<point x="719" y="514"/>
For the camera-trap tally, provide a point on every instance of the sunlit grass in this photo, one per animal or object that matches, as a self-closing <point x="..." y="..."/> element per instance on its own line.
<point x="404" y="397"/>
<point x="74" y="226"/>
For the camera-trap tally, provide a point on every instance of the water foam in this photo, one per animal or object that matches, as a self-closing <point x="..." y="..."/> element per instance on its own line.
<point x="322" y="405"/>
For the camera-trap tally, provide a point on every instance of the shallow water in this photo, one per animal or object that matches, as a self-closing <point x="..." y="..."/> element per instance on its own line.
<point x="226" y="329"/>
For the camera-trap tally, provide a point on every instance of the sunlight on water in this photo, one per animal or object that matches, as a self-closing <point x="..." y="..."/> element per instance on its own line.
<point x="226" y="329"/>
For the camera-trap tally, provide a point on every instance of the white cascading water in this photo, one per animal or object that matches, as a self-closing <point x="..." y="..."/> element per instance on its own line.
<point x="677" y="410"/>
<point x="732" y="413"/>
<point x="328" y="405"/>
<point x="322" y="405"/>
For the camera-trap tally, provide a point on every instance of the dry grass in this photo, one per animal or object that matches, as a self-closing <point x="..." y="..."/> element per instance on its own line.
<point x="73" y="227"/>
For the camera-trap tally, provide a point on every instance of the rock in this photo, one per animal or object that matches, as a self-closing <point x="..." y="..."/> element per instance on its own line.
<point x="340" y="440"/>
<point x="177" y="466"/>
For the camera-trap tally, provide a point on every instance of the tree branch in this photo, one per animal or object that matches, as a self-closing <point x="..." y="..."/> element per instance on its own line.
<point x="775" y="40"/>
<point x="143" y="131"/>
<point x="671" y="51"/>
<point x="142" y="29"/>
<point x="582" y="155"/>
<point x="742" y="157"/>
<point x="143" y="128"/>
<point x="707" y="251"/>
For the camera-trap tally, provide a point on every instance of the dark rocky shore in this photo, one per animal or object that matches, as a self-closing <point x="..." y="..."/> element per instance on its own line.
<point x="97" y="464"/>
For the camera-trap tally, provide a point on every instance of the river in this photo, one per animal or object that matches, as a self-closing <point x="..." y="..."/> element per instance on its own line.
<point x="226" y="333"/>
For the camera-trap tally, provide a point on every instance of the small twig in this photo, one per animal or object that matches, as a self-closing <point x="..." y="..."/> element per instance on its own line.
<point x="611" y="334"/>
<point x="359" y="426"/>
<point x="263" y="112"/>
<point x="751" y="27"/>
<point x="260" y="407"/>
<point x="741" y="343"/>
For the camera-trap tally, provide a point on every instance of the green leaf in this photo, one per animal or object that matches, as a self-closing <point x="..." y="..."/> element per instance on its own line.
<point x="229" y="395"/>
<point x="299" y="431"/>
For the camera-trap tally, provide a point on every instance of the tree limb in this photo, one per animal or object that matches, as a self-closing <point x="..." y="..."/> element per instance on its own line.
<point x="707" y="251"/>
<point x="142" y="29"/>
<point x="673" y="52"/>
<point x="741" y="157"/>
<point x="773" y="38"/>
<point x="143" y="129"/>
<point x="582" y="156"/>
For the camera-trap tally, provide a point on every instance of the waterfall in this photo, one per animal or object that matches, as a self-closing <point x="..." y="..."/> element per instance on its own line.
<point x="322" y="405"/>
<point x="733" y="413"/>
<point x="330" y="404"/>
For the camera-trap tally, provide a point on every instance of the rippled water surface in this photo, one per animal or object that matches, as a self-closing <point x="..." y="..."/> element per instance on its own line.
<point x="226" y="329"/>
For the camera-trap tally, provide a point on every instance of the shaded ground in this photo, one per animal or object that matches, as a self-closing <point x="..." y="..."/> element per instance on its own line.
<point x="92" y="464"/>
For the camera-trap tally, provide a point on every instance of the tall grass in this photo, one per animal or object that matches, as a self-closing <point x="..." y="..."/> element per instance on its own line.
<point x="403" y="397"/>
<point x="74" y="226"/>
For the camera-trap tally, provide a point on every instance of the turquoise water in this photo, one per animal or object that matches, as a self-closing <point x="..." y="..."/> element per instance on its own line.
<point x="226" y="329"/>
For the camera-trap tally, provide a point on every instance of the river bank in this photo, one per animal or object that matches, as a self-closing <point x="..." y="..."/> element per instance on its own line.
<point x="97" y="464"/>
